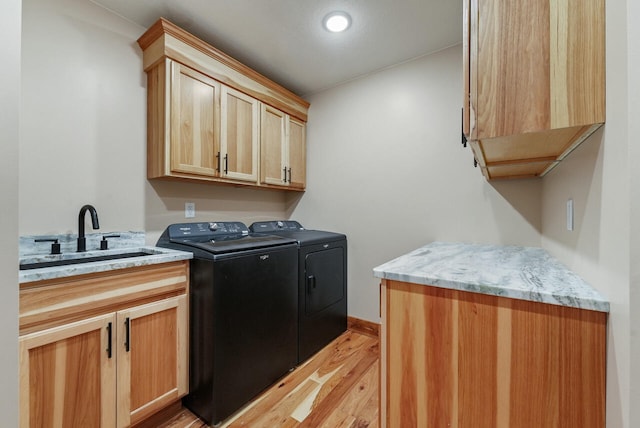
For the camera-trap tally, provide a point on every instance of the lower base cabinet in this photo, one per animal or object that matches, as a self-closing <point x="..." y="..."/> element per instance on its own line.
<point x="110" y="370"/>
<point x="459" y="359"/>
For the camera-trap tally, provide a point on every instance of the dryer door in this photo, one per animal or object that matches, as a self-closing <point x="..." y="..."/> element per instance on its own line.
<point x="324" y="276"/>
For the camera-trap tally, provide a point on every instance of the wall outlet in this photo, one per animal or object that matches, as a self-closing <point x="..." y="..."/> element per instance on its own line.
<point x="189" y="210"/>
<point x="570" y="214"/>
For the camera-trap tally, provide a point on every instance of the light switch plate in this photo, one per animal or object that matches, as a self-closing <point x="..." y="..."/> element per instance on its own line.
<point x="570" y="214"/>
<point x="189" y="210"/>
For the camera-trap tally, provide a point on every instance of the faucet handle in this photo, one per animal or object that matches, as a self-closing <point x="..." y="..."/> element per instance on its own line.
<point x="104" y="244"/>
<point x="55" y="246"/>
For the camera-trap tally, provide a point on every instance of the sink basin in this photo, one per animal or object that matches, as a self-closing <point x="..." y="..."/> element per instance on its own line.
<point x="80" y="260"/>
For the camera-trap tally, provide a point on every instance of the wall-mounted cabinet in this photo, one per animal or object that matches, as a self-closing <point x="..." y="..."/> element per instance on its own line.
<point x="239" y="136"/>
<point x="192" y="143"/>
<point x="534" y="82"/>
<point x="282" y="144"/>
<point x="204" y="115"/>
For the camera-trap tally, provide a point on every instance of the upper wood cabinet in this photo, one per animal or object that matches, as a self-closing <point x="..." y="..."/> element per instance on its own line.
<point x="534" y="82"/>
<point x="282" y="144"/>
<point x="239" y="135"/>
<point x="204" y="114"/>
<point x="194" y="125"/>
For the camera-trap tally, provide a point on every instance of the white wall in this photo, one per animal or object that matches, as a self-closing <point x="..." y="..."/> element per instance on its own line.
<point x="633" y="91"/>
<point x="84" y="131"/>
<point x="9" y="135"/>
<point x="598" y="176"/>
<point x="83" y="118"/>
<point x="386" y="167"/>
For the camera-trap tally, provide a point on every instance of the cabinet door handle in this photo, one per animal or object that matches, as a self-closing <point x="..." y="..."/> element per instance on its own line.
<point x="109" y="340"/>
<point x="311" y="283"/>
<point x="285" y="174"/>
<point x="475" y="162"/>
<point x="289" y="175"/>
<point x="218" y="162"/>
<point x="127" y="329"/>
<point x="464" y="139"/>
<point x="226" y="163"/>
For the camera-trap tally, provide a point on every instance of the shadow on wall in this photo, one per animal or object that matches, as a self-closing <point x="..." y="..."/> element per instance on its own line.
<point x="292" y="199"/>
<point x="525" y="196"/>
<point x="542" y="201"/>
<point x="165" y="203"/>
<point x="578" y="177"/>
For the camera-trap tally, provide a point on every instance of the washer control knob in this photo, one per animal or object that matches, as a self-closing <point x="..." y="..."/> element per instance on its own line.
<point x="213" y="227"/>
<point x="280" y="224"/>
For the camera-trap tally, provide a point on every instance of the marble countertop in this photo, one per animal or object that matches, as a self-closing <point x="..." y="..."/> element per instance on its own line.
<point x="155" y="255"/>
<point x="525" y="273"/>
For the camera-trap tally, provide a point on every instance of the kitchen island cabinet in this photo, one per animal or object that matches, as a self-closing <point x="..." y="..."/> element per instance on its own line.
<point x="106" y="349"/>
<point x="468" y="347"/>
<point x="534" y="82"/>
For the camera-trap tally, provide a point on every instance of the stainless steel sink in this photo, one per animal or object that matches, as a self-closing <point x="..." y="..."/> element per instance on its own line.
<point x="80" y="259"/>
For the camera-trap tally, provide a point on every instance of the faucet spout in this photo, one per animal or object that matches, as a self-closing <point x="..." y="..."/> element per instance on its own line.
<point x="82" y="241"/>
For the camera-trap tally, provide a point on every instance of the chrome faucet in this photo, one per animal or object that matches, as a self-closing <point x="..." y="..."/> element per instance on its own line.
<point x="82" y="241"/>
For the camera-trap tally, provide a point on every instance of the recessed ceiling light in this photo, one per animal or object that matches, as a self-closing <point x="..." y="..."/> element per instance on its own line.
<point x="336" y="21"/>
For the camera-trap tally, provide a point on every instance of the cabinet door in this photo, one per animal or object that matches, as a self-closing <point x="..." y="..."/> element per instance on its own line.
<point x="195" y="122"/>
<point x="67" y="375"/>
<point x="457" y="358"/>
<point x="273" y="142"/>
<point x="297" y="167"/>
<point x="152" y="358"/>
<point x="239" y="135"/>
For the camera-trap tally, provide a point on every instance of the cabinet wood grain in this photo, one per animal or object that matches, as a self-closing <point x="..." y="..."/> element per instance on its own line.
<point x="106" y="349"/>
<point x="153" y="363"/>
<point x="283" y="149"/>
<point x="239" y="136"/>
<point x="460" y="359"/>
<point x="66" y="376"/>
<point x="534" y="82"/>
<point x="204" y="116"/>
<point x="194" y="123"/>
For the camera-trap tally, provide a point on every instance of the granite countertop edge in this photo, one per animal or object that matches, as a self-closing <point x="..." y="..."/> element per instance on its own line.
<point x="156" y="256"/>
<point x="524" y="273"/>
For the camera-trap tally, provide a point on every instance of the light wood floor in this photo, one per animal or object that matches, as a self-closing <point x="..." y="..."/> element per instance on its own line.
<point x="337" y="387"/>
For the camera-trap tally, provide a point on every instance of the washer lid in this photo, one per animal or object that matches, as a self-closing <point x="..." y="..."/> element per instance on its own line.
<point x="230" y="244"/>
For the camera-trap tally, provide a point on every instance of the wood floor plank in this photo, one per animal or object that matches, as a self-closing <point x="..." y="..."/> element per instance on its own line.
<point x="322" y="363"/>
<point x="278" y="415"/>
<point x="336" y="388"/>
<point x="338" y="419"/>
<point x="366" y="390"/>
<point x="334" y="398"/>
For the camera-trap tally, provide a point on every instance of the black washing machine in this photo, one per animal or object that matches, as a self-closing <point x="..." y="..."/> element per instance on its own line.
<point x="322" y="283"/>
<point x="243" y="312"/>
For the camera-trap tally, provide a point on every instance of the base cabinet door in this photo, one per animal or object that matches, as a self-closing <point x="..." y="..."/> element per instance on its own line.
<point x="152" y="358"/>
<point x="453" y="358"/>
<point x="67" y="375"/>
<point x="113" y="370"/>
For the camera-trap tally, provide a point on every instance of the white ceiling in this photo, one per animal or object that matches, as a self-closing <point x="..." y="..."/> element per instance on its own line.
<point x="284" y="39"/>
